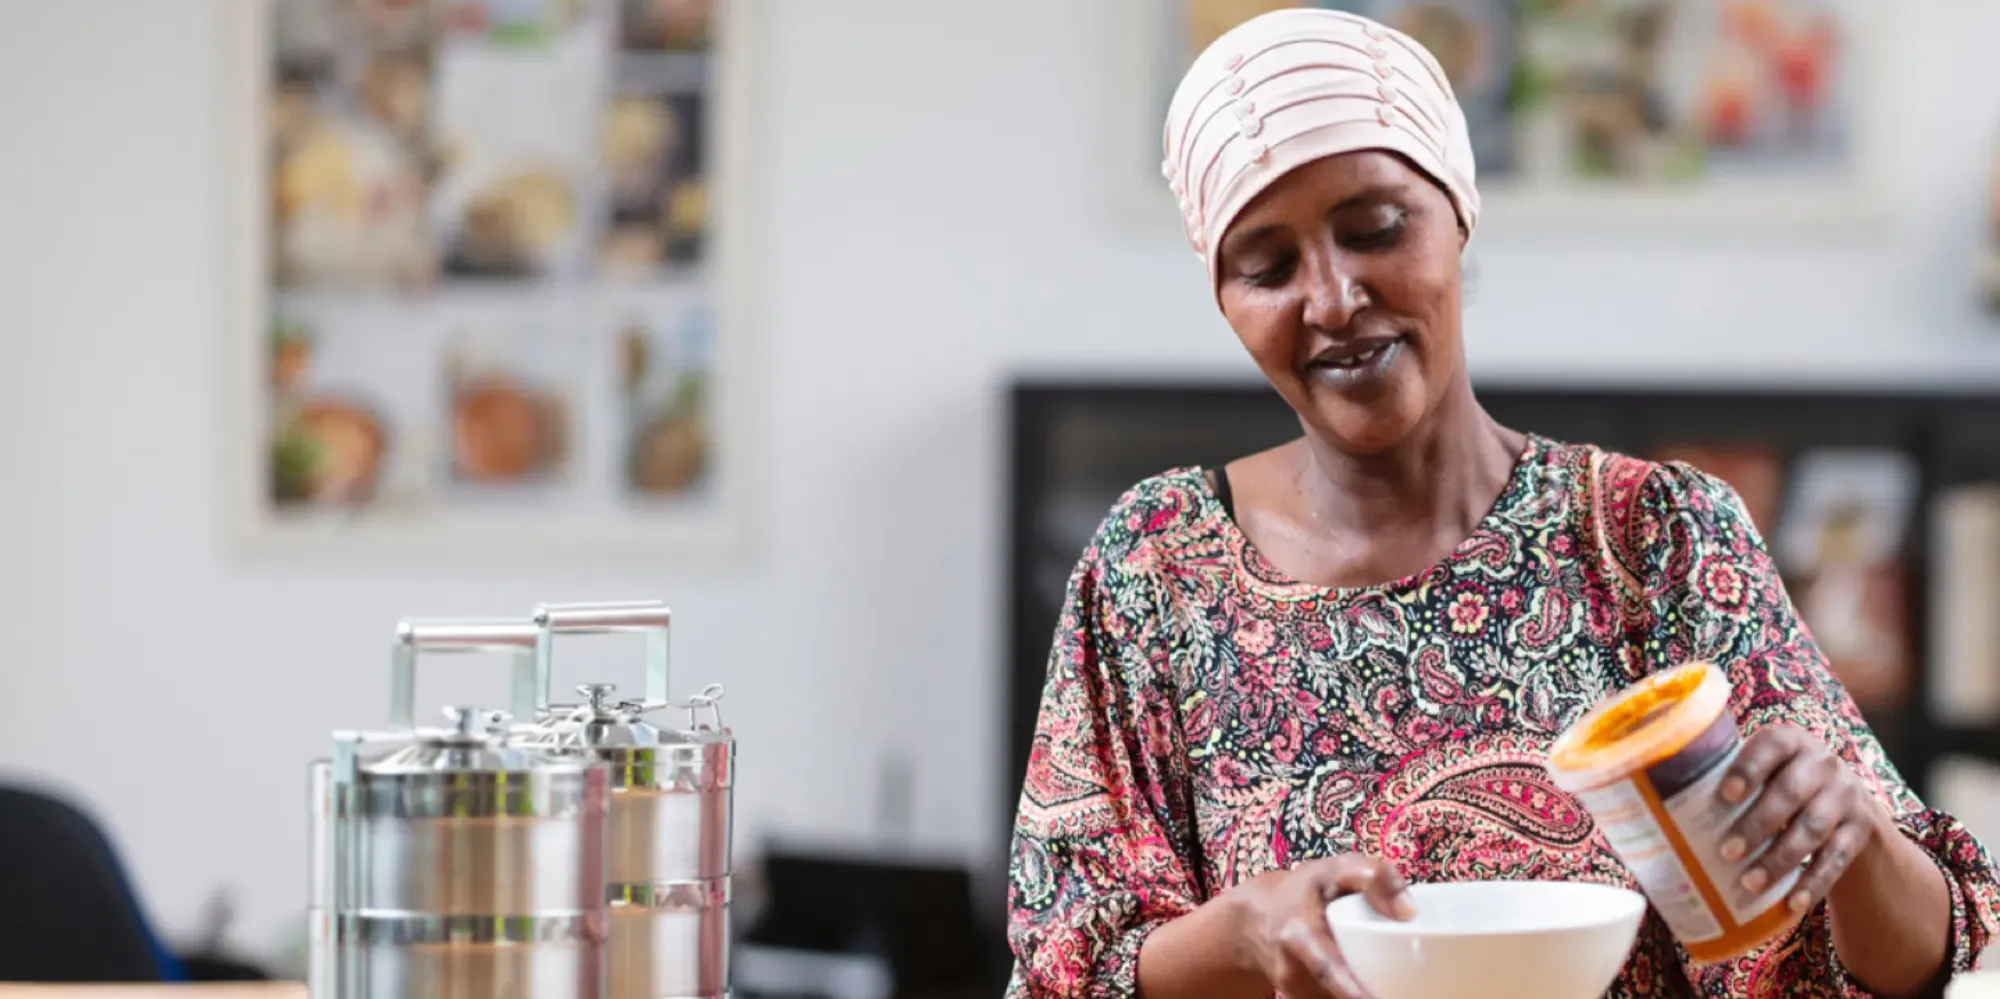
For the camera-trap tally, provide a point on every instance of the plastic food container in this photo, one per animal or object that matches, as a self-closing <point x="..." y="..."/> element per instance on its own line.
<point x="1647" y="764"/>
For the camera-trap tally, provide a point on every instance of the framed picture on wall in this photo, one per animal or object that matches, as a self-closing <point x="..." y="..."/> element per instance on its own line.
<point x="1756" y="113"/>
<point x="489" y="296"/>
<point x="1989" y="247"/>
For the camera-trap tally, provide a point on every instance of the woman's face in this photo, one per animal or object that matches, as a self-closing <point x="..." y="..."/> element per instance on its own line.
<point x="1342" y="280"/>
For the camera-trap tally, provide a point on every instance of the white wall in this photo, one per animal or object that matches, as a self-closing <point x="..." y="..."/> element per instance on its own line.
<point x="936" y="218"/>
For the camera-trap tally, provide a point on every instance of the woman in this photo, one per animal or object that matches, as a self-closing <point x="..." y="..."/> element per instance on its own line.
<point x="1337" y="665"/>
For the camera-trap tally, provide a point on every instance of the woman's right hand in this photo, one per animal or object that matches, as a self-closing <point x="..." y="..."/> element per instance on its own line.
<point x="1281" y="922"/>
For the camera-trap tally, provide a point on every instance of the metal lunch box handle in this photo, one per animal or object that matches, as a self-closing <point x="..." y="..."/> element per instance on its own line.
<point x="414" y="637"/>
<point x="648" y="617"/>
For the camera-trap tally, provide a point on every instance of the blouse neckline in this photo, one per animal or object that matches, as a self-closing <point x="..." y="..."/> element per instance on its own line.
<point x="1248" y="559"/>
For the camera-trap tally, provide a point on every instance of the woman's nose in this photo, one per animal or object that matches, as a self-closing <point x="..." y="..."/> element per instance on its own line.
<point x="1333" y="295"/>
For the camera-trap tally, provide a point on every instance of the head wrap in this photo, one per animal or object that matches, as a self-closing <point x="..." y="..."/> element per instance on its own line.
<point x="1292" y="86"/>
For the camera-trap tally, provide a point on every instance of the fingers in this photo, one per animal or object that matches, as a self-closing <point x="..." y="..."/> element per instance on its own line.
<point x="1809" y="828"/>
<point x="1781" y="777"/>
<point x="1388" y="894"/>
<point x="1808" y="806"/>
<point x="1763" y="754"/>
<point x="1373" y="878"/>
<point x="1312" y="964"/>
<point x="1308" y="942"/>
<point x="1830" y="862"/>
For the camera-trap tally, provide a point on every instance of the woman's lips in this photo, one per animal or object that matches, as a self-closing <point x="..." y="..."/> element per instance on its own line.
<point x="1357" y="364"/>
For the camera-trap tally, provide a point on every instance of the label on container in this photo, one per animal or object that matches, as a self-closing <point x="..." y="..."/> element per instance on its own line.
<point x="1632" y="828"/>
<point x="1667" y="824"/>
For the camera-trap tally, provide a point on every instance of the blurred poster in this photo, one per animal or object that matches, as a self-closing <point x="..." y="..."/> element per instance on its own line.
<point x="665" y="358"/>
<point x="1842" y="549"/>
<point x="333" y="431"/>
<point x="1759" y="102"/>
<point x="657" y="209"/>
<point x="349" y="143"/>
<point x="510" y="389"/>
<point x="670" y="25"/>
<point x="1991" y="244"/>
<point x="515" y="121"/>
<point x="1965" y="606"/>
<point x="489" y="291"/>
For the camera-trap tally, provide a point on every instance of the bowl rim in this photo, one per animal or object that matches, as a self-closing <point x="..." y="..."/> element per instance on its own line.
<point x="1352" y="912"/>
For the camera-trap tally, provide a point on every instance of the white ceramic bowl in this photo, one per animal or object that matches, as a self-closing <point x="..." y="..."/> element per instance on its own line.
<point x="1493" y="939"/>
<point x="1974" y="985"/>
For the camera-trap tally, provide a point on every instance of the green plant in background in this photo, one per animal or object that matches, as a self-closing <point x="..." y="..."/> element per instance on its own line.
<point x="285" y="329"/>
<point x="1532" y="83"/>
<point x="290" y="345"/>
<point x="532" y="25"/>
<point x="1687" y="160"/>
<point x="1528" y="87"/>
<point x="690" y="392"/>
<point x="1593" y="161"/>
<point x="295" y="455"/>
<point x="288" y="338"/>
<point x="520" y="34"/>
<point x="295" y="461"/>
<point x="671" y="449"/>
<point x="1574" y="55"/>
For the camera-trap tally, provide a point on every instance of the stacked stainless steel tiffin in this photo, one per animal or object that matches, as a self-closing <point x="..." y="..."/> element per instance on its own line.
<point x="548" y="851"/>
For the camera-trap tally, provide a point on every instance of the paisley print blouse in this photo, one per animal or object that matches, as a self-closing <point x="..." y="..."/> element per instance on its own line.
<point x="1207" y="719"/>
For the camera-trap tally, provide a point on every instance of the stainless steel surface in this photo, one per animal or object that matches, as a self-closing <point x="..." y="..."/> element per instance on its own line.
<point x="603" y="617"/>
<point x="513" y="637"/>
<point x="319" y="891"/>
<point x="462" y="823"/>
<point x="319" y="844"/>
<point x="455" y="861"/>
<point x="322" y="978"/>
<point x="475" y="868"/>
<point x="671" y="790"/>
<point x="468" y="960"/>
<point x="668" y="954"/>
<point x="651" y="618"/>
<point x="670" y="811"/>
<point x="670" y="814"/>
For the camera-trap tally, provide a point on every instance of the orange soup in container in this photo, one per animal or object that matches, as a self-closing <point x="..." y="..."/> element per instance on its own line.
<point x="1647" y="764"/>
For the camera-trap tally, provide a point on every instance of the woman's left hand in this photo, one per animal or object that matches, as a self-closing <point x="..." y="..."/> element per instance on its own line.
<point x="1813" y="805"/>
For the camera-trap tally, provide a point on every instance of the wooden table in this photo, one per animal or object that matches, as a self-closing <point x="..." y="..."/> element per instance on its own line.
<point x="203" y="990"/>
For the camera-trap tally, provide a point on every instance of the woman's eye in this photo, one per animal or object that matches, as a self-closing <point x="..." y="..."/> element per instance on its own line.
<point x="1379" y="236"/>
<point x="1269" y="274"/>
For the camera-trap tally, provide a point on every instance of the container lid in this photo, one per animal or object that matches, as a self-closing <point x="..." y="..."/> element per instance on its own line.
<point x="1639" y="726"/>
<point x="602" y="723"/>
<point x="476" y="742"/>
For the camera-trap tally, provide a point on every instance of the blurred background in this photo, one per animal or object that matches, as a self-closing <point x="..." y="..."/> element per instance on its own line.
<point x="838" y="324"/>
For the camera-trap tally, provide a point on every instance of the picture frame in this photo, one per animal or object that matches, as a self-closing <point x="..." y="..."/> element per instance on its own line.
<point x="1149" y="50"/>
<point x="654" y="459"/>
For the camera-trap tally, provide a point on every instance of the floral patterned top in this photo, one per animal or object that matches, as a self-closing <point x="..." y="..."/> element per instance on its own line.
<point x="1207" y="719"/>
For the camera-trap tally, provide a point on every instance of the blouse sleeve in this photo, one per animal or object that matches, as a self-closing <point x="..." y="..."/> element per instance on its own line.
<point x="1713" y="594"/>
<point x="1102" y="848"/>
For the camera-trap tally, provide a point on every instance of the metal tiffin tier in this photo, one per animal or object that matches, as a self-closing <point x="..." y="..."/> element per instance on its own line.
<point x="671" y="804"/>
<point x="458" y="862"/>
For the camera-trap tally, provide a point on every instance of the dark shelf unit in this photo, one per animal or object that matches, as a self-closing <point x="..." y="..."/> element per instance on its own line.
<point x="1076" y="445"/>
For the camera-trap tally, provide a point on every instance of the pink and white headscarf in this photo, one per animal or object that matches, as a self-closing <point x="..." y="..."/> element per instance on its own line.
<point x="1292" y="86"/>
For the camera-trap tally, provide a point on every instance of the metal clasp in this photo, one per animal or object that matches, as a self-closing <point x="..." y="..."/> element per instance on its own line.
<point x="710" y="698"/>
